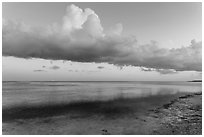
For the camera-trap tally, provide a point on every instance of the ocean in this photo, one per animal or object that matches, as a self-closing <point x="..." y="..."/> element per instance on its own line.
<point x="36" y="92"/>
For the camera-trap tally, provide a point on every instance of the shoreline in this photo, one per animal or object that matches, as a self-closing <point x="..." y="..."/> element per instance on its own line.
<point x="151" y="115"/>
<point x="181" y="116"/>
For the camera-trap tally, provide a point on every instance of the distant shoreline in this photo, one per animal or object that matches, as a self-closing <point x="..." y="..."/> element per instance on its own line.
<point x="195" y="81"/>
<point x="106" y="81"/>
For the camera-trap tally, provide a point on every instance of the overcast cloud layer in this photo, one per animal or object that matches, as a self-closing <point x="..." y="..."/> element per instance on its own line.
<point x="80" y="37"/>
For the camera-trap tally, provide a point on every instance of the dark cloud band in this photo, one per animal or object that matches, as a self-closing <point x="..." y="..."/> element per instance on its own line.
<point x="82" y="39"/>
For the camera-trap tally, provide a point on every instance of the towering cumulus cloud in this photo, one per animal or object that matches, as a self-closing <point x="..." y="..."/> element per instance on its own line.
<point x="80" y="37"/>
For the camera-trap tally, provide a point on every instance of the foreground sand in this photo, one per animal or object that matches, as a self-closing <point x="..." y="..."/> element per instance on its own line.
<point x="163" y="114"/>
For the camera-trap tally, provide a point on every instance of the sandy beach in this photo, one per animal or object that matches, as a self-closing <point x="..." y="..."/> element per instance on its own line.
<point x="161" y="114"/>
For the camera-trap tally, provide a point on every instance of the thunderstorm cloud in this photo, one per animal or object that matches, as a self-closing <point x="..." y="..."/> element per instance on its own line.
<point x="80" y="37"/>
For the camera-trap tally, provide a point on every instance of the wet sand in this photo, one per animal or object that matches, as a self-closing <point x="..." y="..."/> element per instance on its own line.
<point x="157" y="114"/>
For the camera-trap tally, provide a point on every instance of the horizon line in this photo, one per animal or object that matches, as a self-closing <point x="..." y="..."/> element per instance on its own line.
<point x="200" y="80"/>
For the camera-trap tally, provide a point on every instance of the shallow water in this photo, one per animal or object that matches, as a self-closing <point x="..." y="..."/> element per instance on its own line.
<point x="17" y="93"/>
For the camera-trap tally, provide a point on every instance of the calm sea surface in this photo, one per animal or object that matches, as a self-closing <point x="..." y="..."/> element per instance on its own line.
<point x="17" y="93"/>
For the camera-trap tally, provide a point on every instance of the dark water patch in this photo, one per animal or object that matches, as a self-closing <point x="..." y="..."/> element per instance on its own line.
<point x="47" y="110"/>
<point x="109" y="109"/>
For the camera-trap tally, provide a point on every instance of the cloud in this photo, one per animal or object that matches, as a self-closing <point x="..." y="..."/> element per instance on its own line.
<point x="81" y="38"/>
<point x="166" y="71"/>
<point x="146" y="69"/>
<point x="39" y="70"/>
<point x="100" y="67"/>
<point x="76" y="19"/>
<point x="161" y="71"/>
<point x="55" y="67"/>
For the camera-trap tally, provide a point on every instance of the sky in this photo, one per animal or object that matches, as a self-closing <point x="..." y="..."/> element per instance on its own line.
<point x="101" y="41"/>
